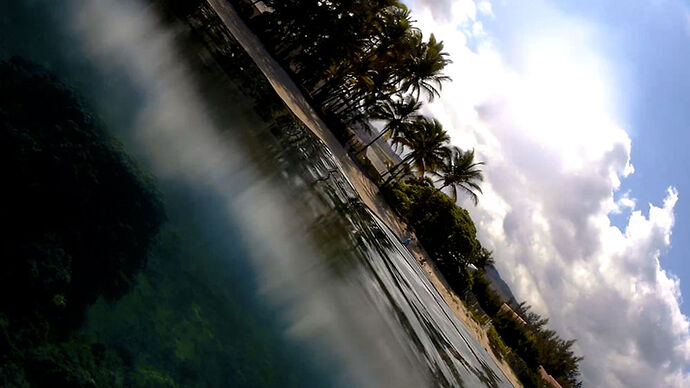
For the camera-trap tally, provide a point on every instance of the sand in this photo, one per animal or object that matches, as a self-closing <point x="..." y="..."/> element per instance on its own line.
<point x="290" y="93"/>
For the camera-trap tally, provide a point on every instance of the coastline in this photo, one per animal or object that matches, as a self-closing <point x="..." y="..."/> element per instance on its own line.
<point x="292" y="96"/>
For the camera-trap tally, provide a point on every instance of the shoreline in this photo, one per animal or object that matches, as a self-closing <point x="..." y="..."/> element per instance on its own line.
<point x="293" y="98"/>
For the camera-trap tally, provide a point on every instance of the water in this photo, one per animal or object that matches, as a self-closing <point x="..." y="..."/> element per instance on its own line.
<point x="270" y="270"/>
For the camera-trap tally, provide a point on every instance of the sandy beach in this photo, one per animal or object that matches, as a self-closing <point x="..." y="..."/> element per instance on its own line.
<point x="368" y="191"/>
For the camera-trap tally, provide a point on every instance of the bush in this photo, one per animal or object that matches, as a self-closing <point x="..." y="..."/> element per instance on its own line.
<point x="369" y="170"/>
<point x="518" y="337"/>
<point x="500" y="349"/>
<point x="487" y="297"/>
<point x="446" y="230"/>
<point x="528" y="377"/>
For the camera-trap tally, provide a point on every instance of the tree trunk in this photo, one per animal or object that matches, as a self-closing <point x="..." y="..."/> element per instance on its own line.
<point x="408" y="157"/>
<point x="373" y="141"/>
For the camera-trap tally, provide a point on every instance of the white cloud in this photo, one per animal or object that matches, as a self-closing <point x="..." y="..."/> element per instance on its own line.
<point x="485" y="8"/>
<point x="623" y="203"/>
<point x="447" y="10"/>
<point x="555" y="157"/>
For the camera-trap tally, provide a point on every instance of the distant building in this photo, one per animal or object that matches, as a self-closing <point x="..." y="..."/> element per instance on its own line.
<point x="542" y="372"/>
<point x="258" y="7"/>
<point x="506" y="309"/>
<point x="548" y="378"/>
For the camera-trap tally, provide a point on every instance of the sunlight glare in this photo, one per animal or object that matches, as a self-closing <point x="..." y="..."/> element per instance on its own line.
<point x="564" y="101"/>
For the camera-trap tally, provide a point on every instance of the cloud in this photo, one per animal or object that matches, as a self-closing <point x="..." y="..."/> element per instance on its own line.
<point x="541" y="112"/>
<point x="624" y="202"/>
<point x="485" y="8"/>
<point x="447" y="10"/>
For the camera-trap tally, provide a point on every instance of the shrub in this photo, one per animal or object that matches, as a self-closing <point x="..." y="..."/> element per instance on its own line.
<point x="500" y="349"/>
<point x="528" y="377"/>
<point x="369" y="170"/>
<point x="445" y="230"/>
<point x="487" y="297"/>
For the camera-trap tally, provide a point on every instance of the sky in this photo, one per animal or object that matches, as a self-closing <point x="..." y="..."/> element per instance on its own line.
<point x="580" y="111"/>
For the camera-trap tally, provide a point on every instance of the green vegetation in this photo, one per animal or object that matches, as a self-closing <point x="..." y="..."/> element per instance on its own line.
<point x="487" y="297"/>
<point x="449" y="235"/>
<point x="532" y="344"/>
<point x="79" y="221"/>
<point x="188" y="322"/>
<point x="426" y="142"/>
<point x="538" y="345"/>
<point x="358" y="61"/>
<point x="362" y="61"/>
<point x="400" y="116"/>
<point x="98" y="289"/>
<point x="460" y="171"/>
<point x="351" y="55"/>
<point x="444" y="229"/>
<point x="500" y="349"/>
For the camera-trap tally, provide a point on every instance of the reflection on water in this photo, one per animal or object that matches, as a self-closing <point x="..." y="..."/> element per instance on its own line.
<point x="389" y="273"/>
<point x="270" y="271"/>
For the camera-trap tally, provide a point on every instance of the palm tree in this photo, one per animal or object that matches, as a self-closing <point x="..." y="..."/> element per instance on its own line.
<point x="427" y="144"/>
<point x="461" y="171"/>
<point x="399" y="115"/>
<point x="423" y="72"/>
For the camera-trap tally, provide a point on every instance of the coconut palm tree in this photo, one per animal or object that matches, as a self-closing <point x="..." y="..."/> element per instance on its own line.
<point x="423" y="71"/>
<point x="460" y="171"/>
<point x="427" y="144"/>
<point x="374" y="74"/>
<point x="399" y="114"/>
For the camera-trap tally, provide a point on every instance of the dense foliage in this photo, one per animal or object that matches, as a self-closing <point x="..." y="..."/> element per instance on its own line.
<point x="351" y="55"/>
<point x="363" y="61"/>
<point x="443" y="228"/>
<point x="449" y="235"/>
<point x="79" y="219"/>
<point x="487" y="297"/>
<point x="532" y="344"/>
